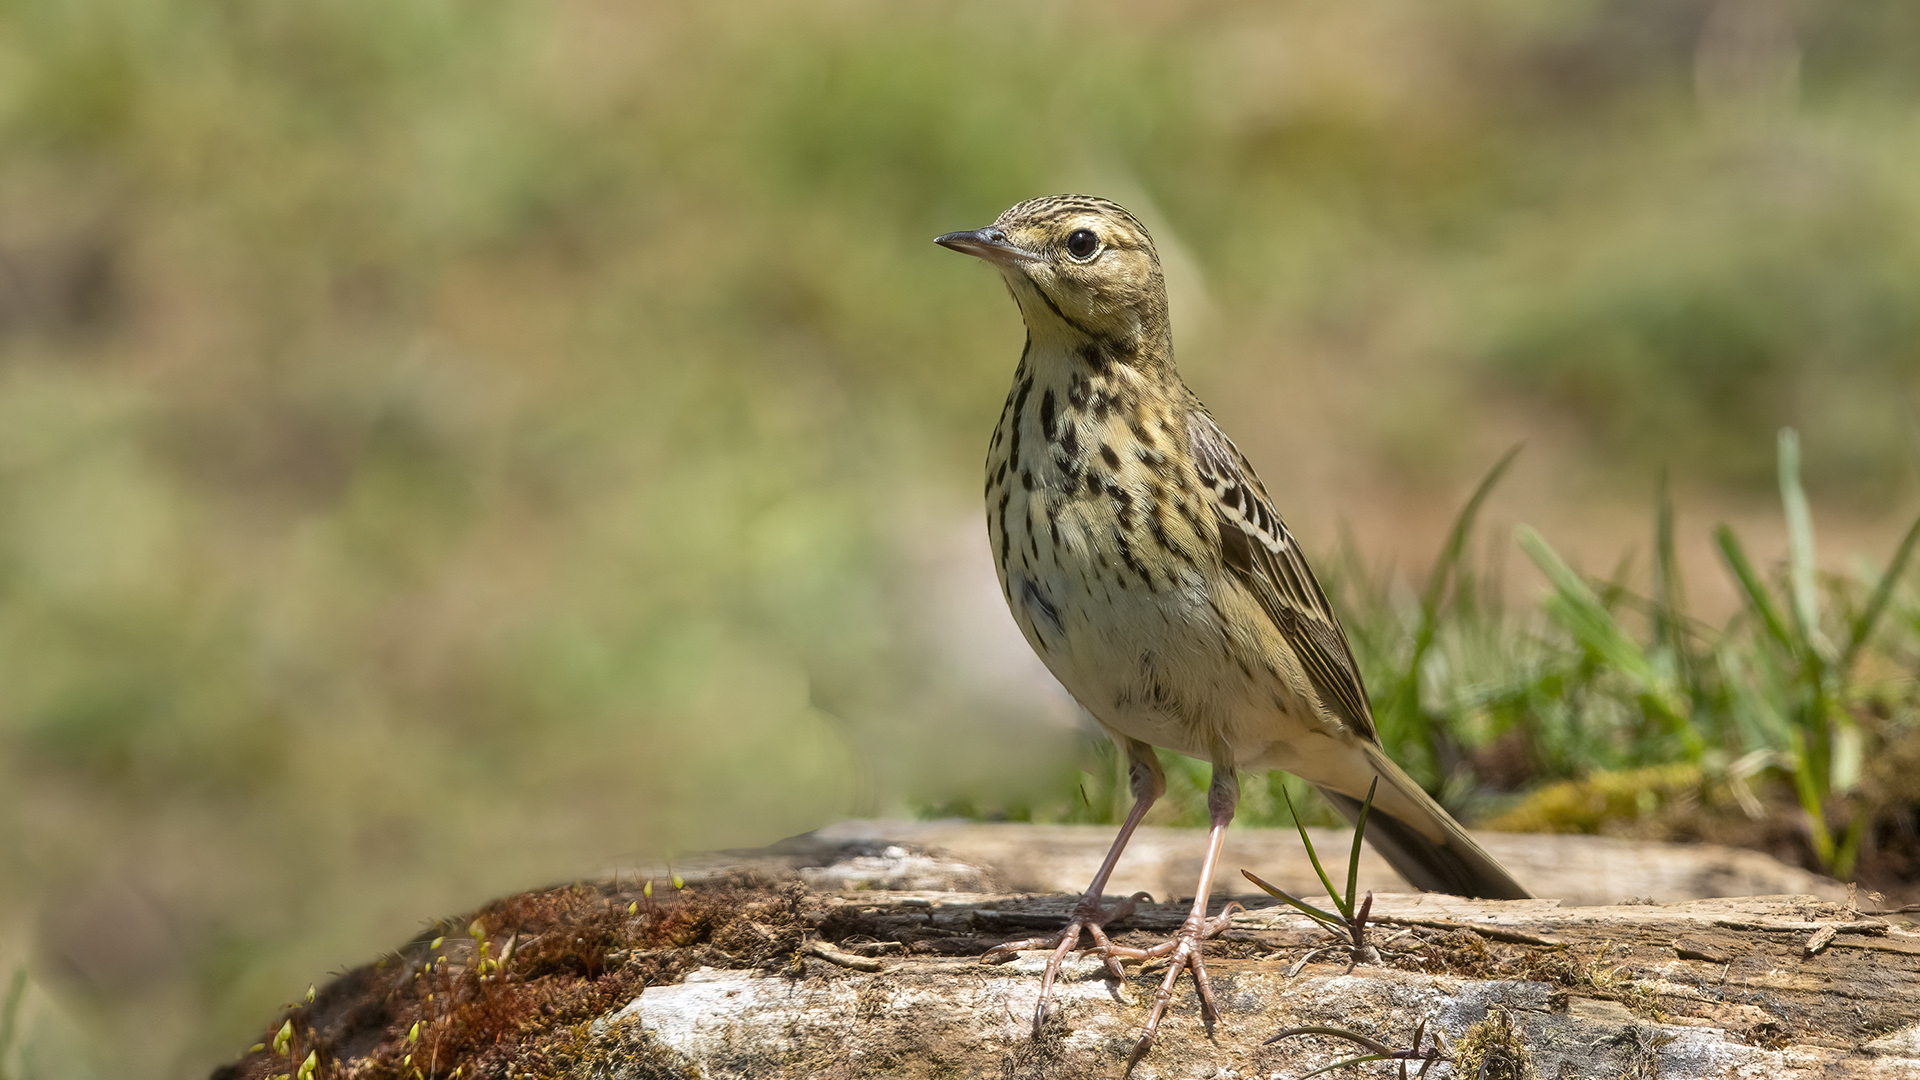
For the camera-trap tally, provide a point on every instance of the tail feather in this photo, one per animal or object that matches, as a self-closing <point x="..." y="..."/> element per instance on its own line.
<point x="1452" y="864"/>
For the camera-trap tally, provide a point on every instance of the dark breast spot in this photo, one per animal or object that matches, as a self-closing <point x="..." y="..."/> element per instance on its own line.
<point x="1133" y="563"/>
<point x="1019" y="410"/>
<point x="1046" y="413"/>
<point x="1107" y="455"/>
<point x="1038" y="603"/>
<point x="1156" y="460"/>
<point x="1159" y="533"/>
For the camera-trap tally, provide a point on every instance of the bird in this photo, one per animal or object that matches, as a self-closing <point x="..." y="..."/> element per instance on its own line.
<point x="1147" y="567"/>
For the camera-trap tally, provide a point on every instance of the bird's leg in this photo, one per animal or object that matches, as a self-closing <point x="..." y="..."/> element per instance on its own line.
<point x="1148" y="783"/>
<point x="1184" y="948"/>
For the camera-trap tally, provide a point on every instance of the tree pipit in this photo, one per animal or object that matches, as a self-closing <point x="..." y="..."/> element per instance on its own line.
<point x="1147" y="567"/>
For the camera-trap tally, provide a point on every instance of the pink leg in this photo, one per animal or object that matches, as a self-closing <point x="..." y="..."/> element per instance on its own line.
<point x="1148" y="783"/>
<point x="1184" y="948"/>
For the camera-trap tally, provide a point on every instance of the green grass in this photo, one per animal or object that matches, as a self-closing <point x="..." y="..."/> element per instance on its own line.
<point x="1768" y="690"/>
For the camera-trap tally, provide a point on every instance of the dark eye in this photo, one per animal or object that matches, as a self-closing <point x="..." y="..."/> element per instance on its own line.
<point x="1082" y="244"/>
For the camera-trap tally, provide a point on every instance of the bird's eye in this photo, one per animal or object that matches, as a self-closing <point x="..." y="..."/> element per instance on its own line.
<point x="1081" y="244"/>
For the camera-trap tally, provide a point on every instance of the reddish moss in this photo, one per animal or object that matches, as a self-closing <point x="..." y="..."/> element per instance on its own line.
<point x="511" y="988"/>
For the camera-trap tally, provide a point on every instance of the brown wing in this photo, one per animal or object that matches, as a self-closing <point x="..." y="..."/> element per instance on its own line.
<point x="1257" y="548"/>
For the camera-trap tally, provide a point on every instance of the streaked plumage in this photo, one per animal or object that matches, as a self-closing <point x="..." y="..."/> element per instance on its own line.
<point x="1147" y="567"/>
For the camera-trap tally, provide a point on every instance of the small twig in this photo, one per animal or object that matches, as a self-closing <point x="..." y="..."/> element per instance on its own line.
<point x="1308" y="959"/>
<point x="631" y="956"/>
<point x="834" y="956"/>
<point x="1369" y="1042"/>
<point x="1822" y="938"/>
<point x="1378" y="1051"/>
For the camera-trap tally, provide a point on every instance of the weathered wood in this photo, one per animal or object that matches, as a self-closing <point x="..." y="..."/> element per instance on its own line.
<point x="1166" y="862"/>
<point x="1622" y="992"/>
<point x="1016" y="857"/>
<point x="747" y="977"/>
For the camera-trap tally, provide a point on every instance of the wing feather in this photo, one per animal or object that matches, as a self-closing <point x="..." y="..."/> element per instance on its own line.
<point x="1263" y="555"/>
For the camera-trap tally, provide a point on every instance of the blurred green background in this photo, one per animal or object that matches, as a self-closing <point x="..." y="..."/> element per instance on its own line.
<point x="452" y="445"/>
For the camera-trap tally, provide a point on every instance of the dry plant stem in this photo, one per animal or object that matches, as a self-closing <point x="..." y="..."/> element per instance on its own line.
<point x="1378" y="1051"/>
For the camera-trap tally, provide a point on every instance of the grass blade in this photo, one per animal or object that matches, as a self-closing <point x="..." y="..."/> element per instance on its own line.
<point x="1312" y="855"/>
<point x="1353" y="857"/>
<point x="1326" y="919"/>
<point x="1846" y="752"/>
<point x="1849" y="852"/>
<point x="1753" y="700"/>
<point x="1752" y="589"/>
<point x="1574" y="605"/>
<point x="1862" y="627"/>
<point x="1806" y="786"/>
<point x="1456" y="545"/>
<point x="1800" y="568"/>
<point x="1580" y="608"/>
<point x="1405" y="703"/>
<point x="1666" y="573"/>
<point x="1670" y="624"/>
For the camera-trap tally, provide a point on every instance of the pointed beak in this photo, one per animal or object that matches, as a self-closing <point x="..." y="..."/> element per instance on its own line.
<point x="990" y="244"/>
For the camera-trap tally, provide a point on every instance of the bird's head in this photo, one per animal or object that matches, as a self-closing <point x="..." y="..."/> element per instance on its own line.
<point x="1080" y="267"/>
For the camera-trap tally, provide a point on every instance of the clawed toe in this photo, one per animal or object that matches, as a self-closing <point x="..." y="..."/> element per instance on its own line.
<point x="1088" y="916"/>
<point x="1181" y="952"/>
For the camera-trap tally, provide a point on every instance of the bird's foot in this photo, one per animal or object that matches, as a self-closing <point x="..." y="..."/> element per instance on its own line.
<point x="1182" y="952"/>
<point x="1089" y="916"/>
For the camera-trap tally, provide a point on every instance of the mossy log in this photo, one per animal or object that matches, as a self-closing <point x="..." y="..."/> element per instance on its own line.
<point x="744" y="974"/>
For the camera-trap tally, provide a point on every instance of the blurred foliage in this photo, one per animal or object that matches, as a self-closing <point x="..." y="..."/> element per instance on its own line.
<point x="1806" y="682"/>
<point x="444" y="445"/>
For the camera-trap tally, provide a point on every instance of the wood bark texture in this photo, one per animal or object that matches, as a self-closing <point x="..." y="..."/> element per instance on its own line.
<point x="810" y="960"/>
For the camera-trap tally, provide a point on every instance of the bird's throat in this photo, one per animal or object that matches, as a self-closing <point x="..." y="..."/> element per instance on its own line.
<point x="1129" y="337"/>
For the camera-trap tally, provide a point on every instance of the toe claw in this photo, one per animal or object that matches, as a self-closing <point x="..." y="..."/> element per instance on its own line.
<point x="1139" y="1051"/>
<point x="1181" y="952"/>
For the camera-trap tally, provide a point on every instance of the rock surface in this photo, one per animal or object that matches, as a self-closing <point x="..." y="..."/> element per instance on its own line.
<point x="768" y="972"/>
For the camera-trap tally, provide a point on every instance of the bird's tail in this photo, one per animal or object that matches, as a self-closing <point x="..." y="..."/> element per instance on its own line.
<point x="1421" y="841"/>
